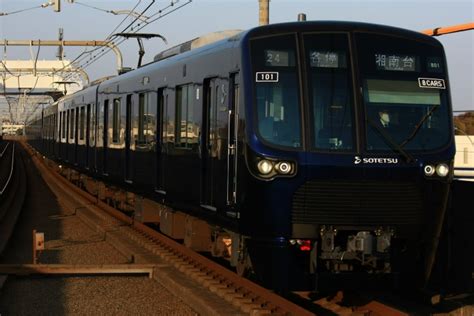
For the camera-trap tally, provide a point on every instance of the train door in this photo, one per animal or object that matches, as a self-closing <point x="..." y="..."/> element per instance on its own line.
<point x="128" y="139"/>
<point x="105" y="136"/>
<point x="160" y="162"/>
<point x="209" y="147"/>
<point x="232" y="125"/>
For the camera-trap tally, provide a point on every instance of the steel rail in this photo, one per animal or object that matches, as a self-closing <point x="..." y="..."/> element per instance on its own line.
<point x="11" y="171"/>
<point x="76" y="269"/>
<point x="4" y="149"/>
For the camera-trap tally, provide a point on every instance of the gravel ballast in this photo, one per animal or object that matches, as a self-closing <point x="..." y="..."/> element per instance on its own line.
<point x="70" y="241"/>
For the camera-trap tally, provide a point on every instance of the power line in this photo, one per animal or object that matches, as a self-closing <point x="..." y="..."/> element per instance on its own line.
<point x="44" y="5"/>
<point x="114" y="12"/>
<point x="81" y="56"/>
<point x="103" y="53"/>
<point x="143" y="12"/>
<point x="92" y="7"/>
<point x="89" y="63"/>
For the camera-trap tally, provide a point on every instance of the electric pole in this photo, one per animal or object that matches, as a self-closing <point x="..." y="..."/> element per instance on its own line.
<point x="57" y="5"/>
<point x="264" y="12"/>
<point x="60" y="53"/>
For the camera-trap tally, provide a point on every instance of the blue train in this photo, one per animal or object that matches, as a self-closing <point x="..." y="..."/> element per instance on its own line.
<point x="305" y="150"/>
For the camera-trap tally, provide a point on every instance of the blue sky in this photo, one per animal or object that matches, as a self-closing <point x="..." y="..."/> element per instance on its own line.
<point x="204" y="16"/>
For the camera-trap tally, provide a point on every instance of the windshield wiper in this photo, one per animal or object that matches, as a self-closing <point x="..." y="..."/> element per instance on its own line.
<point x="419" y="125"/>
<point x="389" y="140"/>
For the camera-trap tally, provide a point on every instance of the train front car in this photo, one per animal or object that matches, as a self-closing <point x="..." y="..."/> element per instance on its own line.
<point x="350" y="149"/>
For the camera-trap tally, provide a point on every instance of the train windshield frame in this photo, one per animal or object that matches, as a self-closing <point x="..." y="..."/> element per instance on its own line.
<point x="400" y="79"/>
<point x="398" y="99"/>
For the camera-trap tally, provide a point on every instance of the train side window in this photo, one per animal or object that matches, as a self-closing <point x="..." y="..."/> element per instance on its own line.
<point x="60" y="123"/>
<point x="71" y="125"/>
<point x="65" y="116"/>
<point x="146" y="121"/>
<point x="92" y="125"/>
<point x="76" y="124"/>
<point x="68" y="125"/>
<point x="187" y="132"/>
<point x="141" y="118"/>
<point x="116" y="121"/>
<point x="82" y="118"/>
<point x="106" y="123"/>
<point x="168" y="123"/>
<point x="54" y="127"/>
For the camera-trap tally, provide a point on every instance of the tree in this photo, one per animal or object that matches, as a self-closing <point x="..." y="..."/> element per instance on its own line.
<point x="464" y="123"/>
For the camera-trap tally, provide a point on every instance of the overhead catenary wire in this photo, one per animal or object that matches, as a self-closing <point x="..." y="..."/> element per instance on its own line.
<point x="24" y="10"/>
<point x="162" y="15"/>
<point x="116" y="28"/>
<point x="114" y="12"/>
<point x="26" y="93"/>
<point x="160" y="11"/>
<point x="92" y="7"/>
<point x="140" y="15"/>
<point x="82" y="55"/>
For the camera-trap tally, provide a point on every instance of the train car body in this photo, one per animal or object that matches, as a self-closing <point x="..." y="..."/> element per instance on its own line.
<point x="320" y="147"/>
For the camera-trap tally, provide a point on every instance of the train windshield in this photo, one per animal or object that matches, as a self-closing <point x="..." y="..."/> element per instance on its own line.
<point x="404" y="89"/>
<point x="277" y="90"/>
<point x="330" y="91"/>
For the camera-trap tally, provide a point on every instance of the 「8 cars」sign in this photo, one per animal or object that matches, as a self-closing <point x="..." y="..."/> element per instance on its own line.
<point x="432" y="83"/>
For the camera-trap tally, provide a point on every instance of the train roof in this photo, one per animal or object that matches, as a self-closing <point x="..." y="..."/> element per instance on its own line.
<point x="347" y="26"/>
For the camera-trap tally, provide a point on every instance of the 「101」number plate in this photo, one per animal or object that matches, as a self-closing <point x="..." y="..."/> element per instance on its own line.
<point x="267" y="76"/>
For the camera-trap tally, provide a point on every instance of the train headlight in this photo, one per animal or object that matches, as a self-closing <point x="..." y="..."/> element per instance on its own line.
<point x="442" y="170"/>
<point x="429" y="170"/>
<point x="264" y="166"/>
<point x="283" y="167"/>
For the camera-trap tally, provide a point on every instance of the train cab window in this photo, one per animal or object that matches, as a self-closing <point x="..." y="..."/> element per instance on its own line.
<point x="400" y="106"/>
<point x="187" y="132"/>
<point x="277" y="90"/>
<point x="82" y="118"/>
<point x="330" y="90"/>
<point x="116" y="121"/>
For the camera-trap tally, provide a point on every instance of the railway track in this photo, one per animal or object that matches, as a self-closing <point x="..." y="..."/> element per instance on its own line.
<point x="249" y="297"/>
<point x="12" y="189"/>
<point x="12" y="192"/>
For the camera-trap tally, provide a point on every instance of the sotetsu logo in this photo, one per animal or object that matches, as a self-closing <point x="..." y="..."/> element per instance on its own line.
<point x="358" y="160"/>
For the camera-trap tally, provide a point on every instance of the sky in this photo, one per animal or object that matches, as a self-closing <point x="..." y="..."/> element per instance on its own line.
<point x="204" y="16"/>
